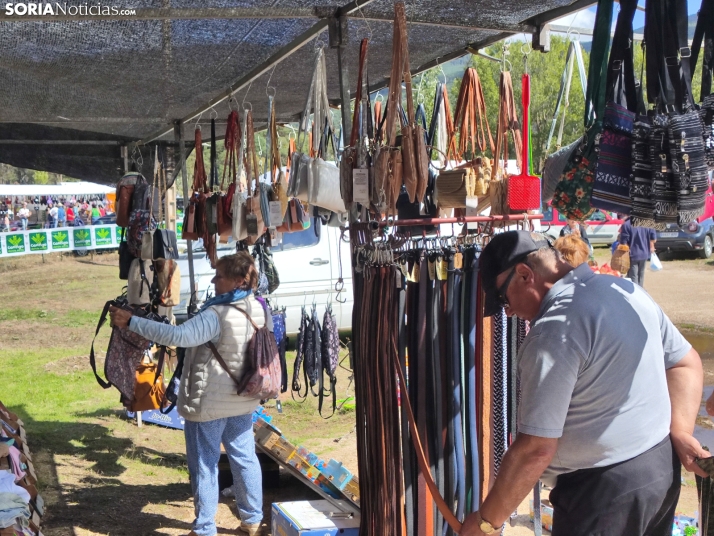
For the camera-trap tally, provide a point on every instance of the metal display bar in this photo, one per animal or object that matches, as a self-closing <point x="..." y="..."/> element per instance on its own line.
<point x="461" y="219"/>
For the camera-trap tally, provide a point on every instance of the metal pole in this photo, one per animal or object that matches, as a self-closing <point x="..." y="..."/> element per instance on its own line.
<point x="339" y="39"/>
<point x="461" y="219"/>
<point x="178" y="132"/>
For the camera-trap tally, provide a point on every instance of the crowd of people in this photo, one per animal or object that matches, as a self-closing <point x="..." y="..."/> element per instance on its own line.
<point x="48" y="213"/>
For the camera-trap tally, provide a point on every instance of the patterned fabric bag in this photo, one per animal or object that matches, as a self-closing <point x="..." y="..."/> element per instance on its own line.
<point x="642" y="212"/>
<point x="689" y="167"/>
<point x="330" y="356"/>
<point x="664" y="193"/>
<point x="262" y="376"/>
<point x="611" y="190"/>
<point x="124" y="353"/>
<point x="574" y="190"/>
<point x="613" y="175"/>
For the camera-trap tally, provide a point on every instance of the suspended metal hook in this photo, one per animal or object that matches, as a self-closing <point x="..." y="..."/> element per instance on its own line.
<point x="268" y="87"/>
<point x="441" y="68"/>
<point x="246" y="96"/>
<point x="213" y="111"/>
<point x="359" y="8"/>
<point x="292" y="132"/>
<point x="420" y="96"/>
<point x="233" y="102"/>
<point x="198" y="127"/>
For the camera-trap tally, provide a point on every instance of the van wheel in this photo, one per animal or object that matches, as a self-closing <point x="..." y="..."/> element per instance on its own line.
<point x="706" y="251"/>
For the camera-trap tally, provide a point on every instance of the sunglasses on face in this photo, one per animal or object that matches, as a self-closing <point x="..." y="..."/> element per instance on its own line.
<point x="501" y="291"/>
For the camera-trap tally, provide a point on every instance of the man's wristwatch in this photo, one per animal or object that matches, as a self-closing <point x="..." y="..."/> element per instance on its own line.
<point x="485" y="526"/>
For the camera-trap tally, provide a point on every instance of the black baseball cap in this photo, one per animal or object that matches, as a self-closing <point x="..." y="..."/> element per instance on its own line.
<point x="504" y="251"/>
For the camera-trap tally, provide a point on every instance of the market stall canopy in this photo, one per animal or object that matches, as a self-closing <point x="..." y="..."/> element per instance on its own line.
<point x="65" y="189"/>
<point x="74" y="87"/>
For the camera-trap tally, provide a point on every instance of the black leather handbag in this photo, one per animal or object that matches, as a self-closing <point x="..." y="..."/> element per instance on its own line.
<point x="165" y="246"/>
<point x="125" y="258"/>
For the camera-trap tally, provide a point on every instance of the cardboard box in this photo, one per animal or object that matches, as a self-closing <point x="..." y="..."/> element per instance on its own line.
<point x="312" y="518"/>
<point x="326" y="485"/>
<point x="266" y="434"/>
<point x="351" y="489"/>
<point x="337" y="473"/>
<point x="283" y="449"/>
<point x="546" y="514"/>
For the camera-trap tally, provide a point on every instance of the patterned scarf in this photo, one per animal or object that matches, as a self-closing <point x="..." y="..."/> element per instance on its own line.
<point x="228" y="297"/>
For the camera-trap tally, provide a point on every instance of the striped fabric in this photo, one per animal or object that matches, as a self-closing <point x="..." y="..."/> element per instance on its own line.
<point x="500" y="389"/>
<point x="614" y="165"/>
<point x="664" y="192"/>
<point x="689" y="166"/>
<point x="642" y="212"/>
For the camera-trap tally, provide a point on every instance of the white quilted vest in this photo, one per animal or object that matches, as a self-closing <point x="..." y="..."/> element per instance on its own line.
<point x="207" y="392"/>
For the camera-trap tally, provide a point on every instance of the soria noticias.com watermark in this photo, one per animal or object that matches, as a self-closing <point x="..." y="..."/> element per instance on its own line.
<point x="53" y="9"/>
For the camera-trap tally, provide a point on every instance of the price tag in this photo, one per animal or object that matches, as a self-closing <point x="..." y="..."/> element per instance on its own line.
<point x="470" y="211"/>
<point x="458" y="260"/>
<point x="442" y="269"/>
<point x="360" y="186"/>
<point x="432" y="269"/>
<point x="276" y="213"/>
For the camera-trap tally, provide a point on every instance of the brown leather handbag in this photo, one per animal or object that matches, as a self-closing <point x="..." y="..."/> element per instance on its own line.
<point x="149" y="390"/>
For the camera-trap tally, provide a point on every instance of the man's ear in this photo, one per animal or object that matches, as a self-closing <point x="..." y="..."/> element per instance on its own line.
<point x="526" y="272"/>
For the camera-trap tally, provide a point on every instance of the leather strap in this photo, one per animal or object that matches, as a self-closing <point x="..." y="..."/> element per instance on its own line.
<point x="704" y="31"/>
<point x="470" y="116"/>
<point x="421" y="458"/>
<point x="621" y="69"/>
<point x="507" y="123"/>
<point x="222" y="362"/>
<point x="92" y="358"/>
<point x="597" y="70"/>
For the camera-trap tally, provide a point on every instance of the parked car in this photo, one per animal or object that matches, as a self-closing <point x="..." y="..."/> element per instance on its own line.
<point x="602" y="227"/>
<point x="308" y="264"/>
<point x="694" y="237"/>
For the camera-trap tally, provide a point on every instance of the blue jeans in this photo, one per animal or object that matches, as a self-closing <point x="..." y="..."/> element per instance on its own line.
<point x="24" y="223"/>
<point x="203" y="450"/>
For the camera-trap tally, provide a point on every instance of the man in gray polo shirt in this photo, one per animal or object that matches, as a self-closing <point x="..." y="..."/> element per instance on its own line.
<point x="610" y="390"/>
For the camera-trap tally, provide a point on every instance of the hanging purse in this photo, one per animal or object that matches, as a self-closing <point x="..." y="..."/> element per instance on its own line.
<point x="508" y="127"/>
<point x="351" y="153"/>
<point x="555" y="162"/>
<point x="188" y="230"/>
<point x="168" y="280"/>
<point x="141" y="277"/>
<point x="642" y="201"/>
<point x="125" y="258"/>
<point x="165" y="245"/>
<point x="613" y="174"/>
<point x="574" y="189"/>
<point x="524" y="188"/>
<point x="231" y="143"/>
<point x="149" y="390"/>
<point x="317" y="103"/>
<point x="704" y="32"/>
<point x="324" y="178"/>
<point x="124" y="195"/>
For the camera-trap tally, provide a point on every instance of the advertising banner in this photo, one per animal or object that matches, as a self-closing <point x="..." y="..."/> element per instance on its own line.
<point x="58" y="240"/>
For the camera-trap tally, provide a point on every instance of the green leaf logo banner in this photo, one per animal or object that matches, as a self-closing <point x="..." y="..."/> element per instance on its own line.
<point x="82" y="238"/>
<point x="38" y="241"/>
<point x="60" y="240"/>
<point x="103" y="236"/>
<point x="16" y="244"/>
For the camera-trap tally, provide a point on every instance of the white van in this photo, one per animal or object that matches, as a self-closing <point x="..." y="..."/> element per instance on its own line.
<point x="308" y="264"/>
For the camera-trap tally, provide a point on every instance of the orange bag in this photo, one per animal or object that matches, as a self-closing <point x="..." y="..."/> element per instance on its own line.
<point x="149" y="390"/>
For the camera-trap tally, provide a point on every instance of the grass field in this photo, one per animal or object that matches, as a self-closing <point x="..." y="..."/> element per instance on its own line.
<point x="99" y="472"/>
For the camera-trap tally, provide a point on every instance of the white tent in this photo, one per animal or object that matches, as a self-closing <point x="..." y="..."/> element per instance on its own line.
<point x="65" y="189"/>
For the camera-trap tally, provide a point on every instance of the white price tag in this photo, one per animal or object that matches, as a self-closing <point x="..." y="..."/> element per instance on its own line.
<point x="360" y="186"/>
<point x="276" y="213"/>
<point x="471" y="211"/>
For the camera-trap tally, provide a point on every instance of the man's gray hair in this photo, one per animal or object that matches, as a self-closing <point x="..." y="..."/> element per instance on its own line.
<point x="544" y="261"/>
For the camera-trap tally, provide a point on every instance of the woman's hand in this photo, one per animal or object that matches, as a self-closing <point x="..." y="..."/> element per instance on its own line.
<point x="119" y="317"/>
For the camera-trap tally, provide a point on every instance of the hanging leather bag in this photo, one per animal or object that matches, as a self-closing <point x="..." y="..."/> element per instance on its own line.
<point x="574" y="189"/>
<point x="124" y="196"/>
<point x="149" y="389"/>
<point x="324" y="178"/>
<point x="168" y="279"/>
<point x="141" y="278"/>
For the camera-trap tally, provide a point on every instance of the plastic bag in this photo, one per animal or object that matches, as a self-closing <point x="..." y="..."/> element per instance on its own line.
<point x="655" y="263"/>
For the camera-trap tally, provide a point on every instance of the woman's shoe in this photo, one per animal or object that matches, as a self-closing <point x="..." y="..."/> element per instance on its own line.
<point x="250" y="530"/>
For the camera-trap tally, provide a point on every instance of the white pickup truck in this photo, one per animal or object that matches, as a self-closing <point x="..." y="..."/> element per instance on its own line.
<point x="308" y="263"/>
